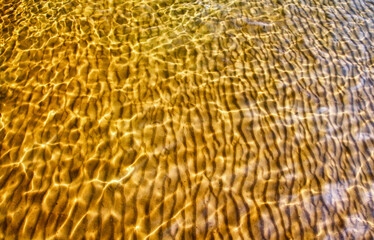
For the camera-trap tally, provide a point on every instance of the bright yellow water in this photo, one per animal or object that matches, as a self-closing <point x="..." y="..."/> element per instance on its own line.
<point x="181" y="119"/>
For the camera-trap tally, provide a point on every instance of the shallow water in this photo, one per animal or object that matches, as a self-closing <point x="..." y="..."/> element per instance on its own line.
<point x="160" y="119"/>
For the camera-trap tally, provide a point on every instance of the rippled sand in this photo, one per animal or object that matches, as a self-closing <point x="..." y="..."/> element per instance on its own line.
<point x="158" y="119"/>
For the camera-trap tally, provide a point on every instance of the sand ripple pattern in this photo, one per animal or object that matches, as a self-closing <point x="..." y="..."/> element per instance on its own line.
<point x="181" y="119"/>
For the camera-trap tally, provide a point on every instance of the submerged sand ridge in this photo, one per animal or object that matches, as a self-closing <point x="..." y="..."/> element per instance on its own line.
<point x="186" y="119"/>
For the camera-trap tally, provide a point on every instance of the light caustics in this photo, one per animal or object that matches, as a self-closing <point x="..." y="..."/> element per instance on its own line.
<point x="186" y="119"/>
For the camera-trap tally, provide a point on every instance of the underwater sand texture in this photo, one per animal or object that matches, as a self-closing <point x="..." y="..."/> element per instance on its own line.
<point x="181" y="119"/>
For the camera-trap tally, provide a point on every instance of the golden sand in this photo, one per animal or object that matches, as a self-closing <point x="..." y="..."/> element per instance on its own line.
<point x="163" y="119"/>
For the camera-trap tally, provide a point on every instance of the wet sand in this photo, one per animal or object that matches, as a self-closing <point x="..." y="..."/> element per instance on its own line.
<point x="186" y="119"/>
